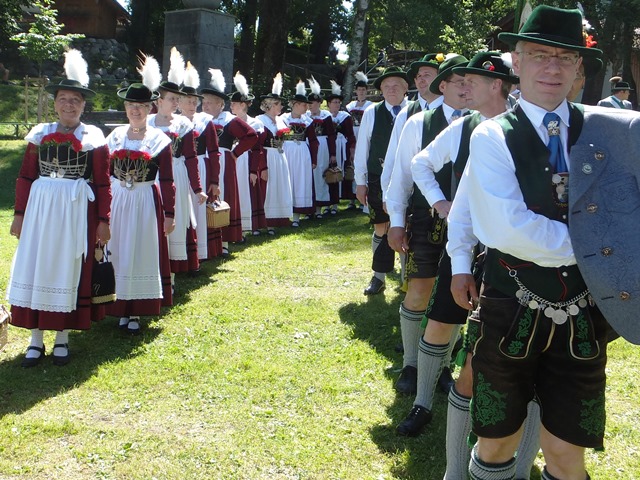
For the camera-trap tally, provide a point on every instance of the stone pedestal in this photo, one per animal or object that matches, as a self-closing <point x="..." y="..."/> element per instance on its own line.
<point x="204" y="37"/>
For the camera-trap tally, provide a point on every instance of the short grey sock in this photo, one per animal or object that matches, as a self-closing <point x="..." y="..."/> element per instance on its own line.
<point x="430" y="363"/>
<point x="410" y="330"/>
<point x="530" y="441"/>
<point x="479" y="470"/>
<point x="458" y="429"/>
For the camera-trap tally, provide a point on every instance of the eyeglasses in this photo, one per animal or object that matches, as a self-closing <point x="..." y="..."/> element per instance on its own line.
<point x="458" y="83"/>
<point x="545" y="58"/>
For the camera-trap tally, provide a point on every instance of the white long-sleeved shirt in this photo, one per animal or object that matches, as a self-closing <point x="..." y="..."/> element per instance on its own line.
<point x="424" y="166"/>
<point x="401" y="183"/>
<point x="364" y="141"/>
<point x="499" y="214"/>
<point x="398" y="125"/>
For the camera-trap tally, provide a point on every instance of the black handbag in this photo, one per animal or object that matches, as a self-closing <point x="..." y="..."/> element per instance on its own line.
<point x="103" y="278"/>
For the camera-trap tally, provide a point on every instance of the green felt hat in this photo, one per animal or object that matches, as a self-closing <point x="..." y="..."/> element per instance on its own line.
<point x="554" y="27"/>
<point x="446" y="70"/>
<point x="72" y="85"/>
<point x="388" y="73"/>
<point x="137" y="93"/>
<point x="620" y="86"/>
<point x="432" y="60"/>
<point x="489" y="64"/>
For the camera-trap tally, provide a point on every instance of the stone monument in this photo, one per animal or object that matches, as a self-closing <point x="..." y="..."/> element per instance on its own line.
<point x="203" y="36"/>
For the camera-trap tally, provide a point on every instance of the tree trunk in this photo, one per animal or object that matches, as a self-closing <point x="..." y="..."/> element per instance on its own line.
<point x="321" y="34"/>
<point x="357" y="41"/>
<point x="247" y="19"/>
<point x="271" y="42"/>
<point x="138" y="30"/>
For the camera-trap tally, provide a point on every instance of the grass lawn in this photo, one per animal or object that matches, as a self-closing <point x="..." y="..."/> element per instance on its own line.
<point x="271" y="365"/>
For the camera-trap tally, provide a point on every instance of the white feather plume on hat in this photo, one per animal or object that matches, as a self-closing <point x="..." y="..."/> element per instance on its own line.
<point x="150" y="72"/>
<point x="176" y="69"/>
<point x="507" y="60"/>
<point x="240" y="82"/>
<point x="314" y="85"/>
<point x="217" y="80"/>
<point x="76" y="67"/>
<point x="335" y="88"/>
<point x="191" y="77"/>
<point x="276" y="88"/>
<point x="300" y="88"/>
<point x="361" y="77"/>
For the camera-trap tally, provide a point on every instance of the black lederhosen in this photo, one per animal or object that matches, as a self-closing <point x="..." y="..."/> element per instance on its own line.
<point x="423" y="257"/>
<point x="377" y="214"/>
<point x="511" y="365"/>
<point x="442" y="307"/>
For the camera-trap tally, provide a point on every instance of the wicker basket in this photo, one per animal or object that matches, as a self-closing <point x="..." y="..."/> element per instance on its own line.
<point x="349" y="173"/>
<point x="218" y="214"/>
<point x="333" y="175"/>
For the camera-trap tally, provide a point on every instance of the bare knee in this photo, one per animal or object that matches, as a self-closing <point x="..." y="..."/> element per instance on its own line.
<point x="418" y="293"/>
<point x="437" y="332"/>
<point x="498" y="450"/>
<point x="464" y="384"/>
<point x="563" y="459"/>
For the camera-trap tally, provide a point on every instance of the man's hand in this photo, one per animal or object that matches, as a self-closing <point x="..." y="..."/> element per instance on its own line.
<point x="442" y="207"/>
<point x="361" y="194"/>
<point x="397" y="238"/>
<point x="463" y="289"/>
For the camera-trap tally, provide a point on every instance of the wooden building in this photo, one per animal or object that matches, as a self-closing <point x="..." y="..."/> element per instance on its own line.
<point x="93" y="18"/>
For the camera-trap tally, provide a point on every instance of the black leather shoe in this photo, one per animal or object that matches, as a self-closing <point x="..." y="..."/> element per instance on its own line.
<point x="415" y="422"/>
<point x="375" y="286"/>
<point x="407" y="381"/>
<point x="61" y="360"/>
<point x="445" y="382"/>
<point x="32" y="362"/>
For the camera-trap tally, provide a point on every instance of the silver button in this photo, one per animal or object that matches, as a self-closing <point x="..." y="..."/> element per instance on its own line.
<point x="599" y="155"/>
<point x="625" y="295"/>
<point x="606" y="251"/>
<point x="592" y="208"/>
<point x="587" y="168"/>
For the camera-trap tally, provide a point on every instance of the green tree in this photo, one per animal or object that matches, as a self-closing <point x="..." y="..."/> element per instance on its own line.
<point x="9" y="11"/>
<point x="43" y="41"/>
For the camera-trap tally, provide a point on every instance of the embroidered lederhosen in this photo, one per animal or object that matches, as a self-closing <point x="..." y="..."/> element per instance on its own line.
<point x="546" y="294"/>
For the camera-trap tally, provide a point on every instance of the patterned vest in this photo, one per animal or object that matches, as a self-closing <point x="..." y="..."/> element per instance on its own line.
<point x="531" y="158"/>
<point x="380" y="135"/>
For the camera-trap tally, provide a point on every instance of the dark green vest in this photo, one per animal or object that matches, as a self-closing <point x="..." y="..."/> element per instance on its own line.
<point x="469" y="124"/>
<point x="433" y="123"/>
<point x="413" y="108"/>
<point x="533" y="171"/>
<point x="380" y="135"/>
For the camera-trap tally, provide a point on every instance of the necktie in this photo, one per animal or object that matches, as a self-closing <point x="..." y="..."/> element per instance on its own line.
<point x="396" y="110"/>
<point x="456" y="115"/>
<point x="556" y="153"/>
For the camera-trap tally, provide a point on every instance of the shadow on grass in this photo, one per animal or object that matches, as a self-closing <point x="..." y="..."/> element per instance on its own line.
<point x="23" y="388"/>
<point x="376" y="321"/>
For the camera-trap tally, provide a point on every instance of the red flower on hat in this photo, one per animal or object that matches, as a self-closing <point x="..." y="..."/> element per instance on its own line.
<point x="589" y="41"/>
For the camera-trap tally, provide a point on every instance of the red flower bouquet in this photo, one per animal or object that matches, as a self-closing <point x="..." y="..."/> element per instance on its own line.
<point x="125" y="154"/>
<point x="61" y="139"/>
<point x="282" y="132"/>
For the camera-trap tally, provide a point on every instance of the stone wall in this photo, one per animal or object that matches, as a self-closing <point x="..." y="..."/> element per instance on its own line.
<point x="110" y="62"/>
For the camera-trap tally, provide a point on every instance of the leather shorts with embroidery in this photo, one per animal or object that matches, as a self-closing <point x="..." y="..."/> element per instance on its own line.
<point x="520" y="354"/>
<point x="377" y="214"/>
<point x="423" y="257"/>
<point x="442" y="307"/>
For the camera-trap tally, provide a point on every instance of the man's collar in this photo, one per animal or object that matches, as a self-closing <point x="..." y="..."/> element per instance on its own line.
<point x="535" y="113"/>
